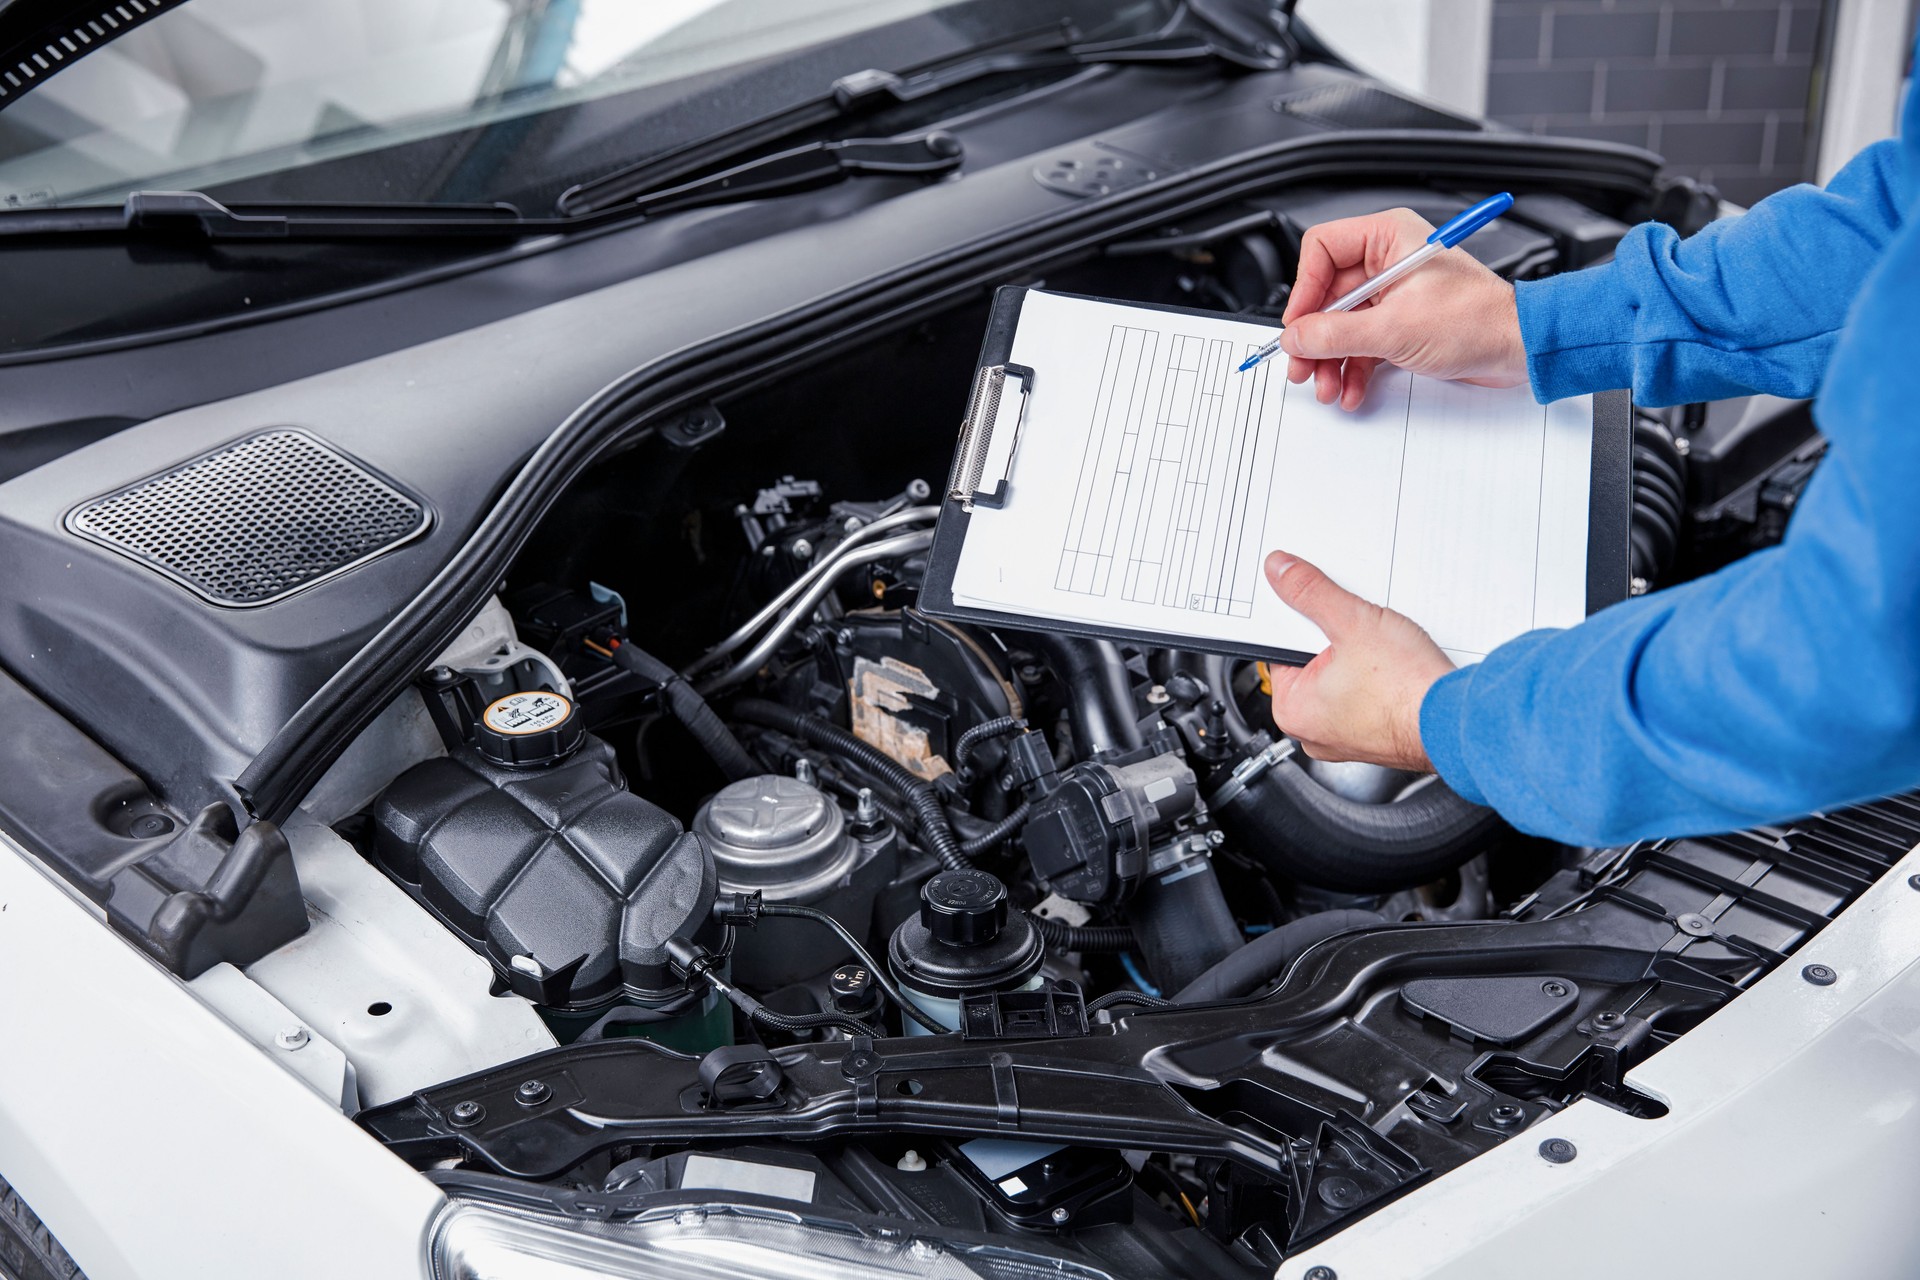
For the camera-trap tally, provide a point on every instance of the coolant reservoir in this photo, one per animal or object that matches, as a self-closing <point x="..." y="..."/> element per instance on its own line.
<point x="528" y="845"/>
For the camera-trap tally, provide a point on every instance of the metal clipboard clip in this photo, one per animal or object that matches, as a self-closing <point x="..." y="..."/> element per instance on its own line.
<point x="988" y="437"/>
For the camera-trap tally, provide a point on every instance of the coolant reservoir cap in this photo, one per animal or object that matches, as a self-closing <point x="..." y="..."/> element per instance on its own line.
<point x="529" y="730"/>
<point x="965" y="908"/>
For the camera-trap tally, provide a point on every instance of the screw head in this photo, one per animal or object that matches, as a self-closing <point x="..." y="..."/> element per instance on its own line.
<point x="1558" y="1151"/>
<point x="1060" y="1215"/>
<point x="1320" y="1273"/>
<point x="1506" y="1115"/>
<point x="1338" y="1192"/>
<point x="1913" y="882"/>
<point x="149" y="825"/>
<point x="292" y="1038"/>
<point x="801" y="549"/>
<point x="1819" y="975"/>
<point x="467" y="1113"/>
<point x="1694" y="923"/>
<point x="531" y="1093"/>
<point x="1607" y="1019"/>
<point x="1554" y="988"/>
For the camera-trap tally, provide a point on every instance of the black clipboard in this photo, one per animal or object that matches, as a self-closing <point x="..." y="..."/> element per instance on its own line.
<point x="998" y="400"/>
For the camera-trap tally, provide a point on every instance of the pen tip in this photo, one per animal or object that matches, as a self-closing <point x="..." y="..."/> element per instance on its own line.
<point x="1248" y="363"/>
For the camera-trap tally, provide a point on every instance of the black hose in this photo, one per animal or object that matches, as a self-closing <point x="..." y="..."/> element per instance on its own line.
<point x="1140" y="998"/>
<point x="1183" y="922"/>
<point x="880" y="978"/>
<point x="1263" y="959"/>
<point x="980" y="733"/>
<point x="1100" y="698"/>
<point x="691" y="710"/>
<point x="998" y="832"/>
<point x="935" y="830"/>
<point x="1085" y="937"/>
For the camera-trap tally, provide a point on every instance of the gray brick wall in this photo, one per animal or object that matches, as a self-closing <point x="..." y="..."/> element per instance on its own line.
<point x="1721" y="88"/>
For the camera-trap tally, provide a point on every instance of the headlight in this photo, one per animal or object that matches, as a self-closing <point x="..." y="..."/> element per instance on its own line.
<point x="714" y="1242"/>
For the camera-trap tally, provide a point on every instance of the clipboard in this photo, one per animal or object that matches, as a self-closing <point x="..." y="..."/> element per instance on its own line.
<point x="989" y="442"/>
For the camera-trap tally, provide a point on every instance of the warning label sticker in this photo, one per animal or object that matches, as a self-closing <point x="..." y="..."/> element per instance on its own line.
<point x="519" y="713"/>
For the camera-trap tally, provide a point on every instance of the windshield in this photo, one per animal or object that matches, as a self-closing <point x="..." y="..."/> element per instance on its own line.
<point x="216" y="92"/>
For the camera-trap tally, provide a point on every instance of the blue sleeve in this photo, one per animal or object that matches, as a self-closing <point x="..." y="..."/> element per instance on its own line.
<point x="1788" y="682"/>
<point x="1752" y="303"/>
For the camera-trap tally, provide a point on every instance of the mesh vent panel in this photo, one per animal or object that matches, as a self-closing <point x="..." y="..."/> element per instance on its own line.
<point x="254" y="521"/>
<point x="1360" y="106"/>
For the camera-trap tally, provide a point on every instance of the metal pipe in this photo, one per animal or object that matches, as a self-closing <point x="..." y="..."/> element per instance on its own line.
<point x="902" y="544"/>
<point x="827" y="564"/>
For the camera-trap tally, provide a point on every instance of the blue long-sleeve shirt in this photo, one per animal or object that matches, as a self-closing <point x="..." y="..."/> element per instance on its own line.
<point x="1789" y="681"/>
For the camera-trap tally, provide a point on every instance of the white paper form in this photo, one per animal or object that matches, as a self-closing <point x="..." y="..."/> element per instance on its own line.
<point x="1152" y="478"/>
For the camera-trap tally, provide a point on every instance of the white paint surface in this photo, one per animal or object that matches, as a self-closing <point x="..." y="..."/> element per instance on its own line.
<point x="155" y="1141"/>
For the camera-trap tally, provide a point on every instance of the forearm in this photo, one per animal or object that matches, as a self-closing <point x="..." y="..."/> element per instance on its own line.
<point x="1785" y="684"/>
<point x="1749" y="304"/>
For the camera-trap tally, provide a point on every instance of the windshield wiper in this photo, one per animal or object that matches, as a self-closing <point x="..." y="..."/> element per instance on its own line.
<point x="195" y="215"/>
<point x="867" y="92"/>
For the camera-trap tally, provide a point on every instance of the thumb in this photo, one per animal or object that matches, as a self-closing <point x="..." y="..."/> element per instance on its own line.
<point x="1313" y="595"/>
<point x="1324" y="335"/>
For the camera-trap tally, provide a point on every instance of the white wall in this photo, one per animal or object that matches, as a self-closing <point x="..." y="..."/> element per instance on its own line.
<point x="1434" y="48"/>
<point x="1871" y="39"/>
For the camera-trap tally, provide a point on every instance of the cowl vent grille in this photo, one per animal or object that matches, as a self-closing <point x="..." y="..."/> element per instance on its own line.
<point x="255" y="521"/>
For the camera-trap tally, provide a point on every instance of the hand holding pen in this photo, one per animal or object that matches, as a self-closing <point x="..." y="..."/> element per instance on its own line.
<point x="1454" y="319"/>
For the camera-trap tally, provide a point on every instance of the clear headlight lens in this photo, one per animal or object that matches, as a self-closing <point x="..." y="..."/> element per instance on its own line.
<point x="716" y="1242"/>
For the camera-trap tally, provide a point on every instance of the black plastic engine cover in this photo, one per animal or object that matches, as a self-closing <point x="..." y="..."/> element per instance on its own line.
<point x="568" y="882"/>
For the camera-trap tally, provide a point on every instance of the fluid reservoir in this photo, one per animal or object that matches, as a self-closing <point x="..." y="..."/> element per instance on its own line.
<point x="792" y="843"/>
<point x="526" y="842"/>
<point x="966" y="941"/>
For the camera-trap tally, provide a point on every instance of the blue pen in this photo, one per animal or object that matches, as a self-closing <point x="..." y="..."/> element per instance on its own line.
<point x="1456" y="230"/>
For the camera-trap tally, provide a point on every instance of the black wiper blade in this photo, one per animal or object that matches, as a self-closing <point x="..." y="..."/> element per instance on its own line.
<point x="813" y="165"/>
<point x="196" y="215"/>
<point x="866" y="92"/>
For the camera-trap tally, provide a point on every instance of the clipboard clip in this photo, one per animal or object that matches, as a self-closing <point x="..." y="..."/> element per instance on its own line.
<point x="989" y="434"/>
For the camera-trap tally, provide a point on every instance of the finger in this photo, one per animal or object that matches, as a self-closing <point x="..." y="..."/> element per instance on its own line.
<point x="1354" y="377"/>
<point x="1326" y="381"/>
<point x="1313" y="595"/>
<point x="1370" y="331"/>
<point x="1324" y="251"/>
<point x="1299" y="370"/>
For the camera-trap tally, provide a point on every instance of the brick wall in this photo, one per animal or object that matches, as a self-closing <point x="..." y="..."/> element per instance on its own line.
<point x="1721" y="88"/>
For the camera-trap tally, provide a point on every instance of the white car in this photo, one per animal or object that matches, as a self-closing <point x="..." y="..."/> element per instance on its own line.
<point x="487" y="791"/>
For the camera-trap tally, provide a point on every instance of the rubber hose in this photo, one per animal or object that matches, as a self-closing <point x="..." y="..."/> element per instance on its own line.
<point x="1184" y="924"/>
<point x="1100" y="699"/>
<point x="935" y="830"/>
<point x="1086" y="937"/>
<point x="692" y="711"/>
<point x="1263" y="959"/>
<point x="1300" y="830"/>
<point x="1140" y="998"/>
<point x="980" y="733"/>
<point x="998" y="832"/>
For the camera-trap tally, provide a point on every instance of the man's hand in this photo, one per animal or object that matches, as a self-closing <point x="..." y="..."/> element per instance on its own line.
<point x="1360" y="698"/>
<point x="1452" y="318"/>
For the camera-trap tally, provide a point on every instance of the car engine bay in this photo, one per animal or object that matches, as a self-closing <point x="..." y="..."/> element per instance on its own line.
<point x="753" y="887"/>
